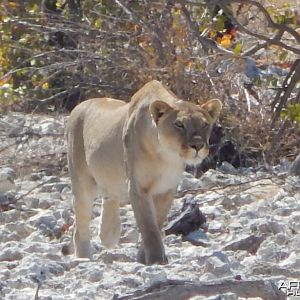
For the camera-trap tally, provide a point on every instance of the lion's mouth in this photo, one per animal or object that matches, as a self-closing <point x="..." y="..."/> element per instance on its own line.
<point x="195" y="157"/>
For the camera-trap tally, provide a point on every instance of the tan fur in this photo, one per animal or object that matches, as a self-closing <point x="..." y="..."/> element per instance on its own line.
<point x="133" y="153"/>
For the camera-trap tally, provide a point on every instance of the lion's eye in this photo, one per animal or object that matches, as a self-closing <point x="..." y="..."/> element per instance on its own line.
<point x="179" y="125"/>
<point x="205" y="125"/>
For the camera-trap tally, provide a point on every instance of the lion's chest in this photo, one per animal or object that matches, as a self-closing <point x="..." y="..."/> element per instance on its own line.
<point x="168" y="179"/>
<point x="158" y="177"/>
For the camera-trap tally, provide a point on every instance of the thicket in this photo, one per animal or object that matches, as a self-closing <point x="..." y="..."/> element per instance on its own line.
<point x="55" y="53"/>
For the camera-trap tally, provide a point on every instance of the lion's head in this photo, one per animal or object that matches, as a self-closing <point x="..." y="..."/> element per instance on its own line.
<point x="185" y="127"/>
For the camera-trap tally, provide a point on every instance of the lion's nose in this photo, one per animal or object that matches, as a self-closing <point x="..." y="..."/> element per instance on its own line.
<point x="197" y="146"/>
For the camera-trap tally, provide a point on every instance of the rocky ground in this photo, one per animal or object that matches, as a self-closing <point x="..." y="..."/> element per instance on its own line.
<point x="252" y="241"/>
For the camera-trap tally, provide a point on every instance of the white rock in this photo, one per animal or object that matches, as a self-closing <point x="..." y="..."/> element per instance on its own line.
<point x="216" y="227"/>
<point x="7" y="177"/>
<point x="11" y="254"/>
<point x="20" y="228"/>
<point x="294" y="221"/>
<point x="49" y="127"/>
<point x="131" y="236"/>
<point x="270" y="226"/>
<point x="95" y="274"/>
<point x="217" y="267"/>
<point x="282" y="239"/>
<point x="187" y="183"/>
<point x="292" y="262"/>
<point x="295" y="243"/>
<point x="47" y="220"/>
<point x="153" y="274"/>
<point x="271" y="252"/>
<point x="228" y="168"/>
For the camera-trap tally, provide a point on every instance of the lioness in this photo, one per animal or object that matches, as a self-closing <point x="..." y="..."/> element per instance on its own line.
<point x="133" y="153"/>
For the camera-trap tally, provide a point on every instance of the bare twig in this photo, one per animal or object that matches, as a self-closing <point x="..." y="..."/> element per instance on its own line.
<point x="214" y="188"/>
<point x="36" y="296"/>
<point x="205" y="42"/>
<point x="152" y="33"/>
<point x="283" y="94"/>
<point x="33" y="189"/>
<point x="270" y="41"/>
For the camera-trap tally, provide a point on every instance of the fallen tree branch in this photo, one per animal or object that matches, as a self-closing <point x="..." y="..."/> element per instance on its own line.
<point x="180" y="194"/>
<point x="180" y="290"/>
<point x="34" y="188"/>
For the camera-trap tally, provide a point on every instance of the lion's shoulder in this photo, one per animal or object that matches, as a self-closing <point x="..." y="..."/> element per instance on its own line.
<point x="152" y="91"/>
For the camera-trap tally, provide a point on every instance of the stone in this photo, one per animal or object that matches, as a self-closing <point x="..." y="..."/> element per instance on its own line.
<point x="269" y="251"/>
<point x="7" y="178"/>
<point x="292" y="184"/>
<point x="249" y="243"/>
<point x="120" y="255"/>
<point x="295" y="242"/>
<point x="294" y="221"/>
<point x="153" y="274"/>
<point x="49" y="127"/>
<point x="295" y="167"/>
<point x="282" y="239"/>
<point x="47" y="220"/>
<point x="188" y="182"/>
<point x="270" y="226"/>
<point x="216" y="227"/>
<point x="243" y="199"/>
<point x="11" y="254"/>
<point x="189" y="220"/>
<point x="131" y="236"/>
<point x="291" y="262"/>
<point x="214" y="178"/>
<point x="21" y="229"/>
<point x="45" y="203"/>
<point x="228" y="168"/>
<point x="95" y="274"/>
<point x="217" y="267"/>
<point x="8" y="199"/>
<point x="228" y="203"/>
<point x="32" y="202"/>
<point x="197" y="238"/>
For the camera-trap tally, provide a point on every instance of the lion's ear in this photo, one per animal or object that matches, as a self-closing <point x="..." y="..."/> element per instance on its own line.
<point x="158" y="109"/>
<point x="213" y="107"/>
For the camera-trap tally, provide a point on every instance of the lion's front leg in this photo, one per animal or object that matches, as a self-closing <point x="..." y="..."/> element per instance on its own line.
<point x="162" y="204"/>
<point x="151" y="250"/>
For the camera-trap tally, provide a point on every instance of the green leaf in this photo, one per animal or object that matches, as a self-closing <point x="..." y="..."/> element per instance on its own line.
<point x="283" y="55"/>
<point x="238" y="48"/>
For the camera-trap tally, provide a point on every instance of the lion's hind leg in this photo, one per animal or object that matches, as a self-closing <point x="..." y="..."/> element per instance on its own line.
<point x="110" y="226"/>
<point x="85" y="192"/>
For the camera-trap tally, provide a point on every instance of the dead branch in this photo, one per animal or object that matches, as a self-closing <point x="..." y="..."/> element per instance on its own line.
<point x="180" y="290"/>
<point x="156" y="39"/>
<point x="33" y="189"/>
<point x="284" y="93"/>
<point x="205" y="42"/>
<point x="271" y="23"/>
<point x="214" y="188"/>
<point x="270" y="41"/>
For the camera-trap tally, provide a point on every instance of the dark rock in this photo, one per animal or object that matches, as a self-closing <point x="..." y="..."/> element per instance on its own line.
<point x="295" y="167"/>
<point x="197" y="238"/>
<point x="250" y="244"/>
<point x="188" y="221"/>
<point x="228" y="168"/>
<point x="7" y="201"/>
